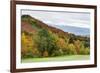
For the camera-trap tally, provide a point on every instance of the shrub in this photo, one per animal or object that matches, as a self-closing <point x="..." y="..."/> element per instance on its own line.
<point x="84" y="51"/>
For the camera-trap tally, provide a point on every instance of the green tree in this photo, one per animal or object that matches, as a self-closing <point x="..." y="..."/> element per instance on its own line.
<point x="43" y="41"/>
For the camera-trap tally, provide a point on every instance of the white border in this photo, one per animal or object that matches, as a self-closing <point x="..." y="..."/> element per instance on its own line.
<point x="20" y="65"/>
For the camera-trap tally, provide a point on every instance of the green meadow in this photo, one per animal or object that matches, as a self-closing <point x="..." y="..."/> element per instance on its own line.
<point x="58" y="58"/>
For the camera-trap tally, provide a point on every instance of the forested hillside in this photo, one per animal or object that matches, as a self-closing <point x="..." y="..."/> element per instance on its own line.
<point x="40" y="40"/>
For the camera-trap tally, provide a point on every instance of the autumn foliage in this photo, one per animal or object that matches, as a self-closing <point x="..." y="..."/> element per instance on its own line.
<point x="41" y="40"/>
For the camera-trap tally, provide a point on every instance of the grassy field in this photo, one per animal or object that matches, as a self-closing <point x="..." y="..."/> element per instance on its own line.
<point x="58" y="58"/>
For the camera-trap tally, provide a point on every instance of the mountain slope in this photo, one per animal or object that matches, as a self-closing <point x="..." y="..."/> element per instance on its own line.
<point x="40" y="40"/>
<point x="39" y="24"/>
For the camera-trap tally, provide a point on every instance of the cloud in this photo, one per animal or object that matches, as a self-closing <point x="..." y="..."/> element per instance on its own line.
<point x="74" y="24"/>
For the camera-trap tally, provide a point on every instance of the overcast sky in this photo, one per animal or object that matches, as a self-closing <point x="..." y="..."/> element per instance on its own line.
<point x="61" y="18"/>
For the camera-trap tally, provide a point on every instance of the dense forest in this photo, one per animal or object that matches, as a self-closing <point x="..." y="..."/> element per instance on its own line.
<point x="41" y="40"/>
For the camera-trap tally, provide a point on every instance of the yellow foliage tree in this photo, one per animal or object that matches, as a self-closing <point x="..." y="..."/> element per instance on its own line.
<point x="77" y="45"/>
<point x="26" y="43"/>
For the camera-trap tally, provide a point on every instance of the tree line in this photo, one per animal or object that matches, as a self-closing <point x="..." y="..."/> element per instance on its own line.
<point x="47" y="44"/>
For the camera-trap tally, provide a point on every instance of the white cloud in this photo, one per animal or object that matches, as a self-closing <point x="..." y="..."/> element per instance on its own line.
<point x="75" y="24"/>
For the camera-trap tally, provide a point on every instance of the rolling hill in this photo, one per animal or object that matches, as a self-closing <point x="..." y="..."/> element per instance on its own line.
<point x="41" y="40"/>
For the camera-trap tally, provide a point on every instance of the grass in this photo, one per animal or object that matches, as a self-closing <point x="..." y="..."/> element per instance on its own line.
<point x="58" y="58"/>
